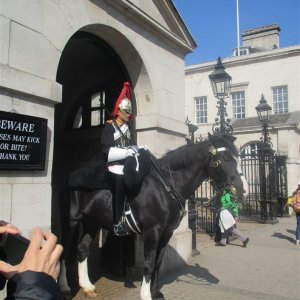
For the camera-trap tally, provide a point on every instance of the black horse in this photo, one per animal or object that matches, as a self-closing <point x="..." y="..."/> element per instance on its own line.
<point x="158" y="206"/>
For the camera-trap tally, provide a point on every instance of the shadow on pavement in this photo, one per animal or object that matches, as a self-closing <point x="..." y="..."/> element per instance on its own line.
<point x="192" y="274"/>
<point x="291" y="231"/>
<point x="279" y="235"/>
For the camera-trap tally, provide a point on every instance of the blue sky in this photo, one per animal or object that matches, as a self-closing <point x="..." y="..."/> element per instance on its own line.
<point x="213" y="24"/>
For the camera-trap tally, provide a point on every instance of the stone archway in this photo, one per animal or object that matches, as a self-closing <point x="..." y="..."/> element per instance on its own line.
<point x="91" y="74"/>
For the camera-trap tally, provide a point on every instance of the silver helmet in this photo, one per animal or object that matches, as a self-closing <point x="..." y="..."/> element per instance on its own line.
<point x="126" y="106"/>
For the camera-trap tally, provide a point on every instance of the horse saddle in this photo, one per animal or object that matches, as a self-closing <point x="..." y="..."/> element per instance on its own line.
<point x="90" y="177"/>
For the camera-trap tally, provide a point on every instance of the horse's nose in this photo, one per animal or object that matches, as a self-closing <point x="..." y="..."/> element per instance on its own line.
<point x="245" y="186"/>
<point x="245" y="194"/>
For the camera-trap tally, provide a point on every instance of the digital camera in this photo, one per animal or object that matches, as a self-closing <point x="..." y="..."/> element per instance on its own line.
<point x="12" y="247"/>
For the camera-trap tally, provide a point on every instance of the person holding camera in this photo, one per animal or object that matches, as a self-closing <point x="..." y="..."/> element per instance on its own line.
<point x="35" y="277"/>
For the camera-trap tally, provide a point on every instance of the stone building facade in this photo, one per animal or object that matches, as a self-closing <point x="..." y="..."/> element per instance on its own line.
<point x="57" y="57"/>
<point x="262" y="68"/>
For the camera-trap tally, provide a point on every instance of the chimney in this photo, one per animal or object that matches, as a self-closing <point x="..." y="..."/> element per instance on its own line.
<point x="262" y="38"/>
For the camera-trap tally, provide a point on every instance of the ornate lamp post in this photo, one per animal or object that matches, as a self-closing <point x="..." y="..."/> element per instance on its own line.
<point x="192" y="207"/>
<point x="220" y="82"/>
<point x="263" y="109"/>
<point x="266" y="164"/>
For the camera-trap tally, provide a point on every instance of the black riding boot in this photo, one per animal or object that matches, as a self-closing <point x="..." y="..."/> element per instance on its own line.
<point x="118" y="189"/>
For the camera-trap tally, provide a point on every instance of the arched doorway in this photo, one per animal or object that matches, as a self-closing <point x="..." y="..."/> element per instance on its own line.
<point x="91" y="75"/>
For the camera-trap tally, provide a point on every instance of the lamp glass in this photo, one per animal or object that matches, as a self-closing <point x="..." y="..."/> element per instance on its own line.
<point x="263" y="115"/>
<point x="220" y="80"/>
<point x="263" y="110"/>
<point x="220" y="87"/>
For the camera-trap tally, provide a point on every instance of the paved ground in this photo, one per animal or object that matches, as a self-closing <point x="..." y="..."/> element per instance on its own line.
<point x="269" y="268"/>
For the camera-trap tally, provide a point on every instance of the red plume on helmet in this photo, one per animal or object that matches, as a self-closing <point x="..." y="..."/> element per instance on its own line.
<point x="125" y="93"/>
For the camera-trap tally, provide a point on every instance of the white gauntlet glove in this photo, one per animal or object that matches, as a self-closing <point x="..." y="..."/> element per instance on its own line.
<point x="116" y="154"/>
<point x="130" y="151"/>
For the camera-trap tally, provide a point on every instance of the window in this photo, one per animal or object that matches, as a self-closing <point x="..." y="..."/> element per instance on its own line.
<point x="238" y="104"/>
<point x="249" y="150"/>
<point x="201" y="110"/>
<point x="242" y="51"/>
<point x="91" y="113"/>
<point x="96" y="113"/>
<point x="280" y="99"/>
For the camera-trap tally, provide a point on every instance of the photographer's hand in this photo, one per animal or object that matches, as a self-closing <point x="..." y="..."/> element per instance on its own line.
<point x="39" y="257"/>
<point x="9" y="228"/>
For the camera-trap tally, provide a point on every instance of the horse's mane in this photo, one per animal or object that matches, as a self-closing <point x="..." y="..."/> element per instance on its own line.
<point x="185" y="155"/>
<point x="182" y="156"/>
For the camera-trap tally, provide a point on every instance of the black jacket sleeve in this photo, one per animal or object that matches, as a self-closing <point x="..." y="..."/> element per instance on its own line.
<point x="31" y="285"/>
<point x="107" y="139"/>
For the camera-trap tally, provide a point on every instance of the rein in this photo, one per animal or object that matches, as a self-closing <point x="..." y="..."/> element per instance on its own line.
<point x="169" y="187"/>
<point x="163" y="179"/>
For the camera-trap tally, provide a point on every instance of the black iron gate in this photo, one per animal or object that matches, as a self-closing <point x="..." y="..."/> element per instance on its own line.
<point x="250" y="167"/>
<point x="205" y="208"/>
<point x="281" y="185"/>
<point x="270" y="171"/>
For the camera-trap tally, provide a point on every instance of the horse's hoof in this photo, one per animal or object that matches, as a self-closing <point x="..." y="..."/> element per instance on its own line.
<point x="90" y="293"/>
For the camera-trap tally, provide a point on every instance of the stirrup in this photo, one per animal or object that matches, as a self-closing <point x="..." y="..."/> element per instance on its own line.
<point x="121" y="229"/>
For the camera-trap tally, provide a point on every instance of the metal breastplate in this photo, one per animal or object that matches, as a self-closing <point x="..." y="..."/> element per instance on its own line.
<point x="121" y="140"/>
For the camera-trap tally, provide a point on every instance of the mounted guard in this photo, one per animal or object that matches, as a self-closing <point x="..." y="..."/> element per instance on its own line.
<point x="118" y="144"/>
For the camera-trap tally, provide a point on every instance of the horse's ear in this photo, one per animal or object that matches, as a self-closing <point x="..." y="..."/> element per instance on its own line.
<point x="233" y="138"/>
<point x="229" y="136"/>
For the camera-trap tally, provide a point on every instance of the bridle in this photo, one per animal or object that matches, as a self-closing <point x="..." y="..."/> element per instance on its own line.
<point x="216" y="162"/>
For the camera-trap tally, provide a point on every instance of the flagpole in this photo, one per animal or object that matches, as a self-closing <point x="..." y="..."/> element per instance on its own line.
<point x="238" y="27"/>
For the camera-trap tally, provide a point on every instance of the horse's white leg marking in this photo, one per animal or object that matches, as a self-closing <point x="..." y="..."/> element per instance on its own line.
<point x="84" y="280"/>
<point x="62" y="279"/>
<point x="145" y="290"/>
